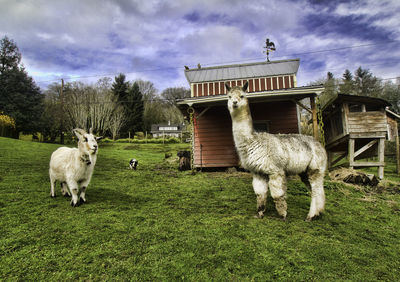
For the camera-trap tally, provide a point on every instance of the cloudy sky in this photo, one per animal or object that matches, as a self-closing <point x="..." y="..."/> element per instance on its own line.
<point x="154" y="39"/>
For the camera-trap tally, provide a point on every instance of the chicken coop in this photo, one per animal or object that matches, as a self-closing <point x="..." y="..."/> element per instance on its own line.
<point x="356" y="127"/>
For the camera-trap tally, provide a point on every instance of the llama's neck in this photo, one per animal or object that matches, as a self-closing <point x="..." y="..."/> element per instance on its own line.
<point x="242" y="125"/>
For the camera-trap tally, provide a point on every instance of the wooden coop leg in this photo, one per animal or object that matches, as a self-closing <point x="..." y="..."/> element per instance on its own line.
<point x="351" y="153"/>
<point x="381" y="157"/>
<point x="397" y="155"/>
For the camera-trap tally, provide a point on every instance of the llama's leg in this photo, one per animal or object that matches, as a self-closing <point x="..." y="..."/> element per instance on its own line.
<point x="64" y="189"/>
<point x="260" y="187"/>
<point x="316" y="180"/>
<point x="277" y="186"/>
<point x="73" y="187"/>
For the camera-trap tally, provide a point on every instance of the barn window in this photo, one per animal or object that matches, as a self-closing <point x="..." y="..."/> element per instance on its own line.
<point x="261" y="125"/>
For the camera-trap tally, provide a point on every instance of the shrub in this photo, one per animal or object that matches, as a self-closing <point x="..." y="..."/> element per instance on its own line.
<point x="7" y="125"/>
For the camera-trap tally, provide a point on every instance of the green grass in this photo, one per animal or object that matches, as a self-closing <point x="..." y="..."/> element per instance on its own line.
<point x="157" y="223"/>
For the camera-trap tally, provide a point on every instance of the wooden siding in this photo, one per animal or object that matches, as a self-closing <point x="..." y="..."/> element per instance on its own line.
<point x="366" y="122"/>
<point x="255" y="85"/>
<point x="213" y="139"/>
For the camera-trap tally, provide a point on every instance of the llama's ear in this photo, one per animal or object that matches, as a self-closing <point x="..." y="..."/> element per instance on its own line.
<point x="228" y="88"/>
<point x="99" y="138"/>
<point x="91" y="130"/>
<point x="246" y="84"/>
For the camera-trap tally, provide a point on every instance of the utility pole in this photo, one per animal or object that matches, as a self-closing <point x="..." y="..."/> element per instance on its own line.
<point x="62" y="112"/>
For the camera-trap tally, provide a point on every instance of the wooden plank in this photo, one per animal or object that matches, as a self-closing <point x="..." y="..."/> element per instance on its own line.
<point x="314" y="117"/>
<point x="287" y="85"/>
<point x="269" y="83"/>
<point x="251" y="85"/>
<point x="280" y="82"/>
<point x="302" y="106"/>
<point x="368" y="135"/>
<point x="366" y="147"/>
<point x="366" y="164"/>
<point x="257" y="84"/>
<point x="381" y="157"/>
<point x="338" y="159"/>
<point x="397" y="154"/>
<point x="195" y="90"/>
<point x="262" y="84"/>
<point x="351" y="151"/>
<point x="274" y="83"/>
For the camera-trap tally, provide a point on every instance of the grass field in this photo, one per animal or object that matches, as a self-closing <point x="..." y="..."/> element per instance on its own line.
<point x="157" y="223"/>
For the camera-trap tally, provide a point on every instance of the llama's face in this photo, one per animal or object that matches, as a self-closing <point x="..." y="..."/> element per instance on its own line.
<point x="236" y="97"/>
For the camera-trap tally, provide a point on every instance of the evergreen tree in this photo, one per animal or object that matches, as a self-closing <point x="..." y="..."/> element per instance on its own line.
<point x="367" y="84"/>
<point x="134" y="108"/>
<point x="120" y="88"/>
<point x="347" y="85"/>
<point x="20" y="98"/>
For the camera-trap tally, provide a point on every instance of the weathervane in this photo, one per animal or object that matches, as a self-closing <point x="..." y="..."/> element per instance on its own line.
<point x="269" y="46"/>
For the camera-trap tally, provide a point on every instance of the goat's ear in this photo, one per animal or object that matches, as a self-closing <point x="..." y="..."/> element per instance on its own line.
<point x="78" y="132"/>
<point x="228" y="88"/>
<point x="246" y="84"/>
<point x="99" y="138"/>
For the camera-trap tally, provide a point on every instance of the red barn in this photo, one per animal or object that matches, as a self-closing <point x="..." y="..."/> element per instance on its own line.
<point x="274" y="102"/>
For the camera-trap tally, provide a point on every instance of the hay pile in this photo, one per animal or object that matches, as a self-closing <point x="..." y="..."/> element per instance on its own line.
<point x="352" y="176"/>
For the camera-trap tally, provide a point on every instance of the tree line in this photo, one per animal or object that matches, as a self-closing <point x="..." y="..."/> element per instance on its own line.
<point x="362" y="83"/>
<point x="118" y="108"/>
<point x="121" y="108"/>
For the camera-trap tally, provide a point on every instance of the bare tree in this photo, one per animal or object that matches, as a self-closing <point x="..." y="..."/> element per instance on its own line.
<point x="91" y="105"/>
<point x="116" y="121"/>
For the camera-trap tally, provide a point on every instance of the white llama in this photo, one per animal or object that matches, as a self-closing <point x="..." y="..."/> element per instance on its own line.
<point x="271" y="157"/>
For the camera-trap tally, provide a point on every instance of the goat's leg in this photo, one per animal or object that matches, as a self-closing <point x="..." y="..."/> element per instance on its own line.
<point x="82" y="198"/>
<point x="52" y="184"/>
<point x="260" y="187"/>
<point x="64" y="190"/>
<point x="277" y="185"/>
<point x="316" y="180"/>
<point x="73" y="186"/>
<point x="83" y="185"/>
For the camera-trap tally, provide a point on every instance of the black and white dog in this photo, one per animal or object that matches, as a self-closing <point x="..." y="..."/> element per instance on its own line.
<point x="133" y="164"/>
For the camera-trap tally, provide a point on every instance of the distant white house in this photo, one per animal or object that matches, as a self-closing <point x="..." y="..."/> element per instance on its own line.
<point x="167" y="130"/>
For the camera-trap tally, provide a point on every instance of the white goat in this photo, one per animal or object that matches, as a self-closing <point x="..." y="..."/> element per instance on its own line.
<point x="271" y="157"/>
<point x="73" y="167"/>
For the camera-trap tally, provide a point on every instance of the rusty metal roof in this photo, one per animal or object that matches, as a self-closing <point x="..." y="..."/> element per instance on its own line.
<point x="242" y="71"/>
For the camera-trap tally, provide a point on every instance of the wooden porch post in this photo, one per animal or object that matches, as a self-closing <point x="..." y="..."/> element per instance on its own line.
<point x="314" y="117"/>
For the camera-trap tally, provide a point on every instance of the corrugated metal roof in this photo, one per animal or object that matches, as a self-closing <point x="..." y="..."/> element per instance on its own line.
<point x="242" y="71"/>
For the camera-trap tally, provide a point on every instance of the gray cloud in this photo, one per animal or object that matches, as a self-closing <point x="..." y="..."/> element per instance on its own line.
<point x="154" y="39"/>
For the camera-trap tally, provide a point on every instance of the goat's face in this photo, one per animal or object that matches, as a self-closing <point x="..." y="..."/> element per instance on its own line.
<point x="237" y="99"/>
<point x="87" y="141"/>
